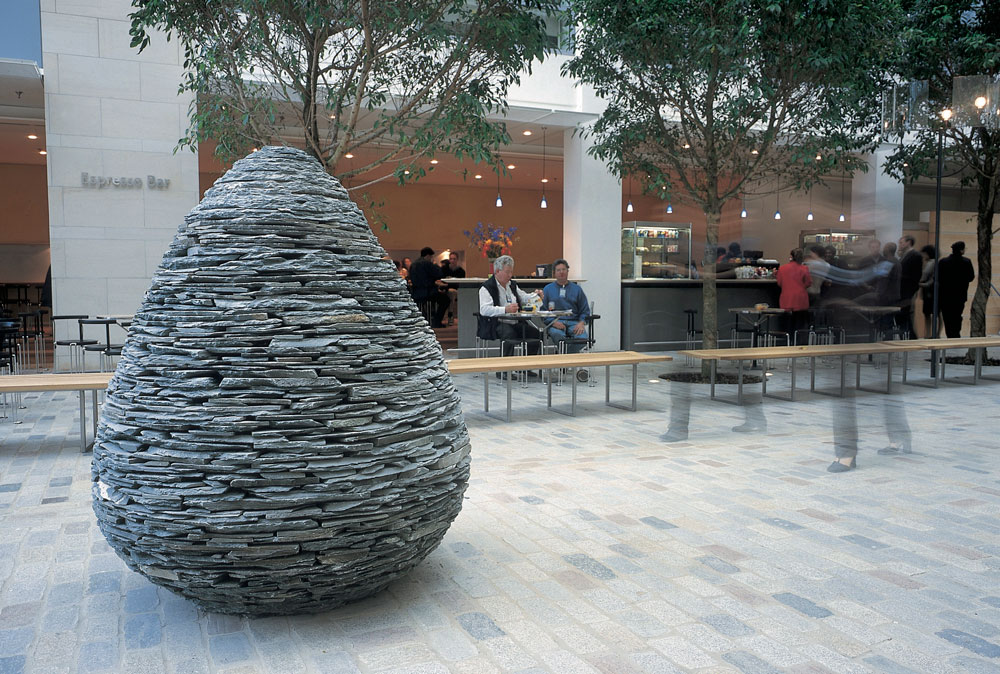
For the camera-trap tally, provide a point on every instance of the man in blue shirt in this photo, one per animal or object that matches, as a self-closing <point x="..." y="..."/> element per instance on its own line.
<point x="563" y="295"/>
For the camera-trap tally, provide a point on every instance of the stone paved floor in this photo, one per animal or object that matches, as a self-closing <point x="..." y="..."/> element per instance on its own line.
<point x="592" y="544"/>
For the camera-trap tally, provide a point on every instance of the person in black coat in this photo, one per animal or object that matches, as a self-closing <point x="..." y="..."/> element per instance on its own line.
<point x="911" y="266"/>
<point x="955" y="273"/>
<point x="424" y="278"/>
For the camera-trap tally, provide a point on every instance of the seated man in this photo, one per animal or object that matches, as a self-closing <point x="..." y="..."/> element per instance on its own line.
<point x="425" y="279"/>
<point x="500" y="295"/>
<point x="563" y="295"/>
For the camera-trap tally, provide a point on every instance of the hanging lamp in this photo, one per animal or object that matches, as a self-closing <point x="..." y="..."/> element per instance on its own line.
<point x="499" y="200"/>
<point x="544" y="204"/>
<point x="777" y="206"/>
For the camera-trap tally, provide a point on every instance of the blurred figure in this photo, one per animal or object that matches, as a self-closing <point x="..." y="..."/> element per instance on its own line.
<point x="454" y="270"/>
<point x="955" y="273"/>
<point x="928" y="254"/>
<point x="735" y="252"/>
<point x="910" y="270"/>
<point x="794" y="280"/>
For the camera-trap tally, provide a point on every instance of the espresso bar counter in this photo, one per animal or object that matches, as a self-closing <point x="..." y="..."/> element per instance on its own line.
<point x="653" y="317"/>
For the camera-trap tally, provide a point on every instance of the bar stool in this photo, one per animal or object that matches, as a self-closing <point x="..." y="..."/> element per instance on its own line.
<point x="106" y="350"/>
<point x="10" y="332"/>
<point x="691" y="334"/>
<point x="75" y="344"/>
<point x="30" y="338"/>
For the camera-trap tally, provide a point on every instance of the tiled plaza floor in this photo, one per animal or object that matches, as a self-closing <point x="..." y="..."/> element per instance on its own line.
<point x="602" y="543"/>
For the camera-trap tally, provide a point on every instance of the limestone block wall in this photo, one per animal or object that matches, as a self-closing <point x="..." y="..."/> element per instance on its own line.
<point x="116" y="190"/>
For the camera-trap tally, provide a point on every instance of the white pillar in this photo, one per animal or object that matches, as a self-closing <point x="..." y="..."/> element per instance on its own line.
<point x="592" y="240"/>
<point x="877" y="199"/>
<point x="112" y="119"/>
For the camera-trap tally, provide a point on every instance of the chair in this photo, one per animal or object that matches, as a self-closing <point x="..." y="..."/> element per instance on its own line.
<point x="583" y="374"/>
<point x="106" y="349"/>
<point x="75" y="344"/>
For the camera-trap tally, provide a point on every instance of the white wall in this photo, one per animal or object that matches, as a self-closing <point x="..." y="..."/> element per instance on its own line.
<point x="110" y="112"/>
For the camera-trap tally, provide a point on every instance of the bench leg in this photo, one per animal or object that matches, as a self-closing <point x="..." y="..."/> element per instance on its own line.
<point x="739" y="387"/>
<point x="83" y="422"/>
<point x="607" y="390"/>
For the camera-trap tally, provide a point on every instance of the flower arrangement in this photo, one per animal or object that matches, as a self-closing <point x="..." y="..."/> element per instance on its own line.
<point x="491" y="241"/>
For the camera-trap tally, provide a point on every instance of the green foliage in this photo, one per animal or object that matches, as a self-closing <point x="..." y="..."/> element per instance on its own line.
<point x="711" y="99"/>
<point x="942" y="40"/>
<point x="410" y="78"/>
<point x="733" y="96"/>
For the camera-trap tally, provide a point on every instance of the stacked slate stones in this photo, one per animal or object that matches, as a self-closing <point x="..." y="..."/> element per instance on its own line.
<point x="281" y="434"/>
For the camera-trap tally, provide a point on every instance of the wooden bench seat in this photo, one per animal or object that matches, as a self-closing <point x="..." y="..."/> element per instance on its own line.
<point x="811" y="351"/>
<point x="939" y="348"/>
<point x="82" y="382"/>
<point x="552" y="361"/>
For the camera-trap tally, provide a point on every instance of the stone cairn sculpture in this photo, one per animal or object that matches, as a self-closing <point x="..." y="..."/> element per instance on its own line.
<point x="281" y="434"/>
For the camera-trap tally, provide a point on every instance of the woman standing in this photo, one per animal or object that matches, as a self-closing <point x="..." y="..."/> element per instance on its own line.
<point x="794" y="280"/>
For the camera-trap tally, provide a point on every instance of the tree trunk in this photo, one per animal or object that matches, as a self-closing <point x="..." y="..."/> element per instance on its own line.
<point x="709" y="295"/>
<point x="984" y="272"/>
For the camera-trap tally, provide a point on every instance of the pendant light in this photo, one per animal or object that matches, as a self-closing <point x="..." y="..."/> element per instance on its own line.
<point x="843" y="179"/>
<point x="809" y="216"/>
<point x="670" y="207"/>
<point x="499" y="200"/>
<point x="777" y="206"/>
<point x="544" y="204"/>
<point x="743" y="213"/>
<point x="629" y="208"/>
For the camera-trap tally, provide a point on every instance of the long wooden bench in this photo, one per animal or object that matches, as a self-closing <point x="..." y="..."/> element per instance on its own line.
<point x="554" y="361"/>
<point x="811" y="351"/>
<point x="82" y="382"/>
<point x="940" y="347"/>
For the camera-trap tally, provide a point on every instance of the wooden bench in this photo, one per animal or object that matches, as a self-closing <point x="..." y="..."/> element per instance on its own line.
<point x="552" y="361"/>
<point x="939" y="348"/>
<point x="82" y="382"/>
<point x="811" y="351"/>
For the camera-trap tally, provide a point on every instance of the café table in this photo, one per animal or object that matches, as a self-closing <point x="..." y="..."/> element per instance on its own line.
<point x="536" y="318"/>
<point x="758" y="317"/>
<point x="872" y="315"/>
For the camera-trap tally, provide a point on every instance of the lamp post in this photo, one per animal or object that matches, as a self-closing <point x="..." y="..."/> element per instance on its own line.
<point x="945" y="117"/>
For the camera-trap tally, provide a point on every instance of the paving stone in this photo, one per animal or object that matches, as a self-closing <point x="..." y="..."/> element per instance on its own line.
<point x="12" y="665"/>
<point x="728" y="625"/>
<point x="589" y="565"/>
<point x="971" y="642"/>
<point x="97" y="656"/>
<point x="142" y="631"/>
<point x="802" y="605"/>
<point x="15" y="641"/>
<point x="479" y="625"/>
<point x="228" y="649"/>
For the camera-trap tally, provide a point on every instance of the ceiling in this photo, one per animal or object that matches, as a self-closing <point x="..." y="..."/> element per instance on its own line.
<point x="22" y="112"/>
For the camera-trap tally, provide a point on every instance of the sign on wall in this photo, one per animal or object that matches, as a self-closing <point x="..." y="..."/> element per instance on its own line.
<point x="123" y="182"/>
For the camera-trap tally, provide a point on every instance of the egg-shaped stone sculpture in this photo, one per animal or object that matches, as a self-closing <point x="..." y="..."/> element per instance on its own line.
<point x="281" y="434"/>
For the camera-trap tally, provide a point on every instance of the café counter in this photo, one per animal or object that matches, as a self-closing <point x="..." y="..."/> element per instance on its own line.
<point x="653" y="317"/>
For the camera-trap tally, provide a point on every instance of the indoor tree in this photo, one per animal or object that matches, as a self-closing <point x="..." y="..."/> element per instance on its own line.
<point x="407" y="78"/>
<point x="943" y="40"/>
<point x="711" y="99"/>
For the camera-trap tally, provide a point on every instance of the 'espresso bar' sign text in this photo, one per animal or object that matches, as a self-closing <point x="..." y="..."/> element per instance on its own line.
<point x="123" y="182"/>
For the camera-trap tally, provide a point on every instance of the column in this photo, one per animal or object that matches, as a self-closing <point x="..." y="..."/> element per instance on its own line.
<point x="592" y="218"/>
<point x="116" y="190"/>
<point x="877" y="199"/>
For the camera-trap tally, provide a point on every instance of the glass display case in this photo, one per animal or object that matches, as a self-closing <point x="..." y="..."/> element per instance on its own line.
<point x="848" y="242"/>
<point x="656" y="250"/>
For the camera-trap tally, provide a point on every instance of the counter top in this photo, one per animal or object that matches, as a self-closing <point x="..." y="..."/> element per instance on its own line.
<point x="478" y="281"/>
<point x="696" y="281"/>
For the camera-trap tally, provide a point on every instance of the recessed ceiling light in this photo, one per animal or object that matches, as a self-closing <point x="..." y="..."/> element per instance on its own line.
<point x="479" y="177"/>
<point x="819" y="157"/>
<point x="42" y="152"/>
<point x="545" y="180"/>
<point x="349" y="156"/>
<point x="511" y="167"/>
<point x="526" y="132"/>
<point x="33" y="136"/>
<point x="754" y="152"/>
<point x="434" y="161"/>
<point x="406" y="172"/>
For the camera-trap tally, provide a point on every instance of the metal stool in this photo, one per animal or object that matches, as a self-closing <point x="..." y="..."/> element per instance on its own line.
<point x="75" y="344"/>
